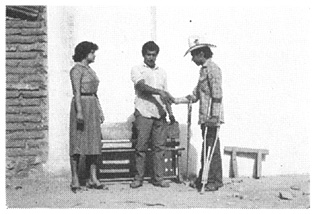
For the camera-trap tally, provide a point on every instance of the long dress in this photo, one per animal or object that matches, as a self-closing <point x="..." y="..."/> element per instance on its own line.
<point x="88" y="141"/>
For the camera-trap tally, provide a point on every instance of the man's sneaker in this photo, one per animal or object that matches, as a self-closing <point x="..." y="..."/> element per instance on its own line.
<point x="161" y="184"/>
<point x="136" y="184"/>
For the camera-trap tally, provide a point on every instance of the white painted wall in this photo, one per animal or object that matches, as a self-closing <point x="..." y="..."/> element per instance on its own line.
<point x="265" y="59"/>
<point x="263" y="53"/>
<point x="60" y="30"/>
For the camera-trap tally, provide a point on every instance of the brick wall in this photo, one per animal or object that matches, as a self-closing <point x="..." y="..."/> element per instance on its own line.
<point x="26" y="95"/>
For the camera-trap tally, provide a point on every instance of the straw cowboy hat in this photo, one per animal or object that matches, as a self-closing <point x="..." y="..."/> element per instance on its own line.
<point x="196" y="42"/>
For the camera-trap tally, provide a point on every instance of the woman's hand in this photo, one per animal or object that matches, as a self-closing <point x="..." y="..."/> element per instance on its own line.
<point x="80" y="122"/>
<point x="102" y="118"/>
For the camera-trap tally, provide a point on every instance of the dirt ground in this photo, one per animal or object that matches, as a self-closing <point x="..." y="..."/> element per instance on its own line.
<point x="284" y="192"/>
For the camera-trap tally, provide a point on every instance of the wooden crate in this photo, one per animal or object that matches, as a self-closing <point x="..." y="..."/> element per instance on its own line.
<point x="117" y="161"/>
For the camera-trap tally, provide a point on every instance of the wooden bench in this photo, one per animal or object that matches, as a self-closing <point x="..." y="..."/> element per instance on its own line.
<point x="234" y="151"/>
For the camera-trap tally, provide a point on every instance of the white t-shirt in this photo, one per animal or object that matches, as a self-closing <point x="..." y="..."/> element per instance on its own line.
<point x="147" y="104"/>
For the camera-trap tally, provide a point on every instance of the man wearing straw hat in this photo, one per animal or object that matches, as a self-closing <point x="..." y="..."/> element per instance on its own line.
<point x="209" y="92"/>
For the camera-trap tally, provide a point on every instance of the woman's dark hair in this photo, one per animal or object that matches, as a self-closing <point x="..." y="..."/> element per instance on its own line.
<point x="82" y="50"/>
<point x="151" y="46"/>
<point x="206" y="50"/>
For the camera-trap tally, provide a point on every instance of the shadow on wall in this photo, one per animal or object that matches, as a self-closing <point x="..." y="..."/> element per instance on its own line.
<point x="123" y="130"/>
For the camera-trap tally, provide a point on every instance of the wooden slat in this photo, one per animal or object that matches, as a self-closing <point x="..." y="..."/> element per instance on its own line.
<point x="132" y="178"/>
<point x="128" y="140"/>
<point x="117" y="141"/>
<point x="132" y="150"/>
<point x="116" y="161"/>
<point x="114" y="171"/>
<point x="116" y="145"/>
<point x="245" y="150"/>
<point x="117" y="150"/>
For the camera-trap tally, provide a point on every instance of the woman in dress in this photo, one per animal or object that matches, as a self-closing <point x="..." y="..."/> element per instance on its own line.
<point x="86" y="116"/>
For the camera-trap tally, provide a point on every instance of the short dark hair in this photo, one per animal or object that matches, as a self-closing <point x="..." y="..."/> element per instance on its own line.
<point x="206" y="50"/>
<point x="151" y="46"/>
<point x="83" y="49"/>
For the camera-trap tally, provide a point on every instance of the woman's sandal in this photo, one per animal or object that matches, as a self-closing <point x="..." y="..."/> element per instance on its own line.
<point x="89" y="185"/>
<point x="94" y="186"/>
<point x="101" y="186"/>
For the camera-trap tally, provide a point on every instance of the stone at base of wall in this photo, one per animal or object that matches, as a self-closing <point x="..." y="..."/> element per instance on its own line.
<point x="24" y="167"/>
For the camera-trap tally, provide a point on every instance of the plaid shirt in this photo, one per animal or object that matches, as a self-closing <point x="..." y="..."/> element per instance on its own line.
<point x="209" y="85"/>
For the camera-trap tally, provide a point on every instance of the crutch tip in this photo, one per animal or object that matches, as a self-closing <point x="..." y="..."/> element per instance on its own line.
<point x="202" y="190"/>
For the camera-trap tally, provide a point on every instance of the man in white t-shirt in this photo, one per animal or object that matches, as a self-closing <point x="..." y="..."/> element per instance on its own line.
<point x="152" y="103"/>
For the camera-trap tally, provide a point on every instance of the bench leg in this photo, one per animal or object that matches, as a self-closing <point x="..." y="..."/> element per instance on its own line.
<point x="234" y="173"/>
<point x="258" y="165"/>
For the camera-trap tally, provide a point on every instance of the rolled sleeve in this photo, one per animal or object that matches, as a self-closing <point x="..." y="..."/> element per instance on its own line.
<point x="136" y="75"/>
<point x="195" y="95"/>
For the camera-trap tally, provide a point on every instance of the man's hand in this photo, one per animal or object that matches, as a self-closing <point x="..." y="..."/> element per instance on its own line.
<point x="166" y="97"/>
<point x="186" y="99"/>
<point x="176" y="100"/>
<point x="171" y="98"/>
<point x="189" y="97"/>
<point x="213" y="121"/>
<point x="172" y="119"/>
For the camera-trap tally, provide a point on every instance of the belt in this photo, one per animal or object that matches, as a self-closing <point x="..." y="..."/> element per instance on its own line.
<point x="88" y="94"/>
<point x="163" y="116"/>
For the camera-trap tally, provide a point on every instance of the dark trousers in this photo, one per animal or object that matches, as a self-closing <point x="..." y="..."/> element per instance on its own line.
<point x="215" y="172"/>
<point x="154" y="129"/>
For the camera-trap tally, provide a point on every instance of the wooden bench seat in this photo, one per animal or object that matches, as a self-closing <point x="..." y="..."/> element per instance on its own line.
<point x="234" y="151"/>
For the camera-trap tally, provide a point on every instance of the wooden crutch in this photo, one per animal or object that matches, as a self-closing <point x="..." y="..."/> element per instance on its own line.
<point x="206" y="166"/>
<point x="208" y="159"/>
<point x="204" y="143"/>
